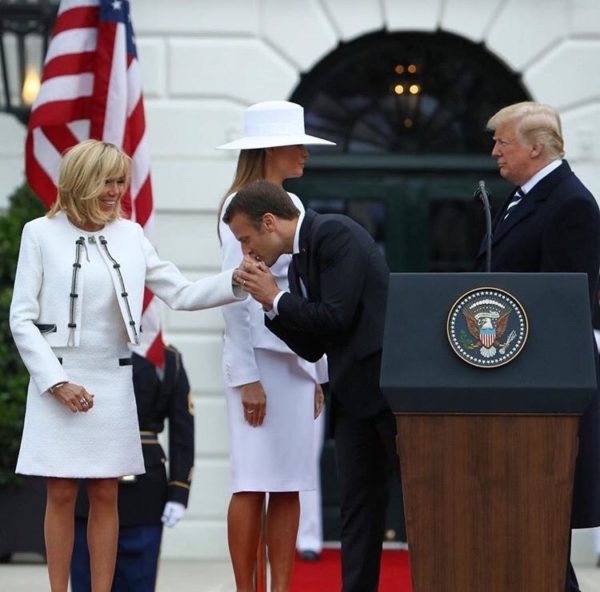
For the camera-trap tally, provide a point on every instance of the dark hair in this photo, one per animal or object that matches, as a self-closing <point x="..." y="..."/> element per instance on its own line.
<point x="259" y="198"/>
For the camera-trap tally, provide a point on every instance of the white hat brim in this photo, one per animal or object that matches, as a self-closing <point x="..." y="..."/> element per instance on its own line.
<point x="273" y="141"/>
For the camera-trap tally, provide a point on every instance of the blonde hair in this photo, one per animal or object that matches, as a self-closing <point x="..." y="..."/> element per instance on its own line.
<point x="84" y="170"/>
<point x="251" y="166"/>
<point x="537" y="124"/>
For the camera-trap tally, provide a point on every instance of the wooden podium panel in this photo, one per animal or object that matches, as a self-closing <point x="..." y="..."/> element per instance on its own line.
<point x="487" y="500"/>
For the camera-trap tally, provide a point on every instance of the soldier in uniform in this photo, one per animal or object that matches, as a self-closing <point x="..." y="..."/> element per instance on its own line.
<point x="148" y="501"/>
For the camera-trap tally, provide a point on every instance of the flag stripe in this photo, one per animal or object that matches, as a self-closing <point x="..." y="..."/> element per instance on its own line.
<point x="61" y="137"/>
<point x="70" y="64"/>
<point x="156" y="350"/>
<point x="143" y="203"/>
<point x="83" y="39"/>
<point x="106" y="42"/>
<point x="134" y="88"/>
<point x="48" y="156"/>
<point x="40" y="181"/>
<point x="74" y="4"/>
<point x="136" y="121"/>
<point x="82" y="17"/>
<point x="69" y="110"/>
<point x="116" y="96"/>
<point x="65" y="88"/>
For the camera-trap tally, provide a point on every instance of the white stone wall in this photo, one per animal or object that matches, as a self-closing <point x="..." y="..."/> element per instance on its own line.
<point x="203" y="62"/>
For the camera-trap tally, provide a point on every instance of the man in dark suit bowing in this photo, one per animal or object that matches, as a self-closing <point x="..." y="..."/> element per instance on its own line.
<point x="550" y="223"/>
<point x="336" y="305"/>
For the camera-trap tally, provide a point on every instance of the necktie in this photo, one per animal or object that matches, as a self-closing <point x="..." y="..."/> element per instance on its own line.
<point x="515" y="201"/>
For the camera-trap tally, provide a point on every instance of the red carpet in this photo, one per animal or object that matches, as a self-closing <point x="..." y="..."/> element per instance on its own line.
<point x="325" y="575"/>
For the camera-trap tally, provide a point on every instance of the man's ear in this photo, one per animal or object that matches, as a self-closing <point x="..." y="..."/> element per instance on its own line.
<point x="269" y="222"/>
<point x="536" y="150"/>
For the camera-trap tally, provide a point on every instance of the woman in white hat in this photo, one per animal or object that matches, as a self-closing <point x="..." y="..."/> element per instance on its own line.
<point x="273" y="396"/>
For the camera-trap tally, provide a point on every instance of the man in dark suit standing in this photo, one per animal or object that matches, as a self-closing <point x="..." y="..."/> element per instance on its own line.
<point x="336" y="305"/>
<point x="550" y="223"/>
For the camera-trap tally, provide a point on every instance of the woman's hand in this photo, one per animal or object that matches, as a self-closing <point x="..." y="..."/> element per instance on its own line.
<point x="236" y="279"/>
<point x="254" y="402"/>
<point x="74" y="396"/>
<point x="319" y="400"/>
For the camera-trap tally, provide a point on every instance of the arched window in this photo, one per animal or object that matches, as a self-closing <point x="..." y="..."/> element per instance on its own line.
<point x="408" y="93"/>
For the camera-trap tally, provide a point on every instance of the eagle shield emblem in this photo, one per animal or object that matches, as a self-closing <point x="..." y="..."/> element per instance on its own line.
<point x="487" y="327"/>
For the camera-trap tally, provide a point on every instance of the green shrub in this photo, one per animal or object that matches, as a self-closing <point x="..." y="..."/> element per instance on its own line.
<point x="24" y="206"/>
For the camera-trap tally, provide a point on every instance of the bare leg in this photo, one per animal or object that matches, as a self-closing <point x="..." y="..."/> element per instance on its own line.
<point x="103" y="532"/>
<point x="59" y="530"/>
<point x="243" y="532"/>
<point x="283" y="515"/>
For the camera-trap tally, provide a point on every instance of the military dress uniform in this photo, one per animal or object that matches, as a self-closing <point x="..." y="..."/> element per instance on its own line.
<point x="142" y="498"/>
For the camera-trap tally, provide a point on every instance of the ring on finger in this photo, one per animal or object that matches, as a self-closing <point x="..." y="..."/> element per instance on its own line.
<point x="83" y="401"/>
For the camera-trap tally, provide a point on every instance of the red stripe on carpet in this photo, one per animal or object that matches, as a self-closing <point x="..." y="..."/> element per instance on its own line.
<point x="325" y="575"/>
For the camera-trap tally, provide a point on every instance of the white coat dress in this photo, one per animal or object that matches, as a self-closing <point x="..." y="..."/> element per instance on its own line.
<point x="278" y="455"/>
<point x="77" y="305"/>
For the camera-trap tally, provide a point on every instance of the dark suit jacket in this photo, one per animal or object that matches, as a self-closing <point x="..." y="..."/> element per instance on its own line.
<point x="556" y="228"/>
<point x="343" y="315"/>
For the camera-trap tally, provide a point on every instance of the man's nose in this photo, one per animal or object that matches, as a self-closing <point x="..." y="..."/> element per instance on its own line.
<point x="496" y="149"/>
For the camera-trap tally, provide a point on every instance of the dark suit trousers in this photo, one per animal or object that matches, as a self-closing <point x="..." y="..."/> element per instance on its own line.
<point x="366" y="458"/>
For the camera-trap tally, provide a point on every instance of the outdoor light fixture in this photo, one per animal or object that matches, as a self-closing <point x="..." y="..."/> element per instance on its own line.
<point x="25" y="27"/>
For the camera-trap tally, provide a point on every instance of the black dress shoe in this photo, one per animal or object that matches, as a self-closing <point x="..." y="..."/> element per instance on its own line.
<point x="309" y="555"/>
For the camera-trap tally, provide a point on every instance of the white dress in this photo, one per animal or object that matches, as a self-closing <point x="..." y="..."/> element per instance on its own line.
<point x="105" y="441"/>
<point x="277" y="456"/>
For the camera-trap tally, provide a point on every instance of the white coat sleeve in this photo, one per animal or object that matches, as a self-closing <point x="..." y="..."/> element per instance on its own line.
<point x="37" y="355"/>
<point x="239" y="360"/>
<point x="179" y="293"/>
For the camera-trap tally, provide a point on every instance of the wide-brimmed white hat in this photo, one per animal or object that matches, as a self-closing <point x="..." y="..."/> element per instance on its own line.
<point x="273" y="123"/>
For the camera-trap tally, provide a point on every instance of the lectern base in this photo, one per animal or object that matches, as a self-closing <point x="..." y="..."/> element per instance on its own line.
<point x="487" y="500"/>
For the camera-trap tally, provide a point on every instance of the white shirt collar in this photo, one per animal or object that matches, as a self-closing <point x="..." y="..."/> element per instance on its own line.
<point x="297" y="234"/>
<point x="527" y="187"/>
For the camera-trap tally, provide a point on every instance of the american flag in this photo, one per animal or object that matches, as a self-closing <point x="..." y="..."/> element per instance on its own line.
<point x="91" y="89"/>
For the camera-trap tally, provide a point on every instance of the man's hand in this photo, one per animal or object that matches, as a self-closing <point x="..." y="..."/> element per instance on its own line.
<point x="172" y="513"/>
<point x="254" y="402"/>
<point x="258" y="281"/>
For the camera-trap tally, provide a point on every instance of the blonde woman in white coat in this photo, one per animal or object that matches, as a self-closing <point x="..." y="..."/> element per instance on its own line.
<point x="273" y="396"/>
<point x="77" y="304"/>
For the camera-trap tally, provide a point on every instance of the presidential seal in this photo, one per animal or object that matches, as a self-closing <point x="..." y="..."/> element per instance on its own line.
<point x="487" y="327"/>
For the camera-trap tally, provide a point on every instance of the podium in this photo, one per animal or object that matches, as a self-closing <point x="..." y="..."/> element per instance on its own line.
<point x="487" y="454"/>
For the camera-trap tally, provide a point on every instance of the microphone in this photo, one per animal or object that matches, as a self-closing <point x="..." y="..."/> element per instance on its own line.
<point x="482" y="194"/>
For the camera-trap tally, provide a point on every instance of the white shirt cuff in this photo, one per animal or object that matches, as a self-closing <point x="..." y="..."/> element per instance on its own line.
<point x="271" y="314"/>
